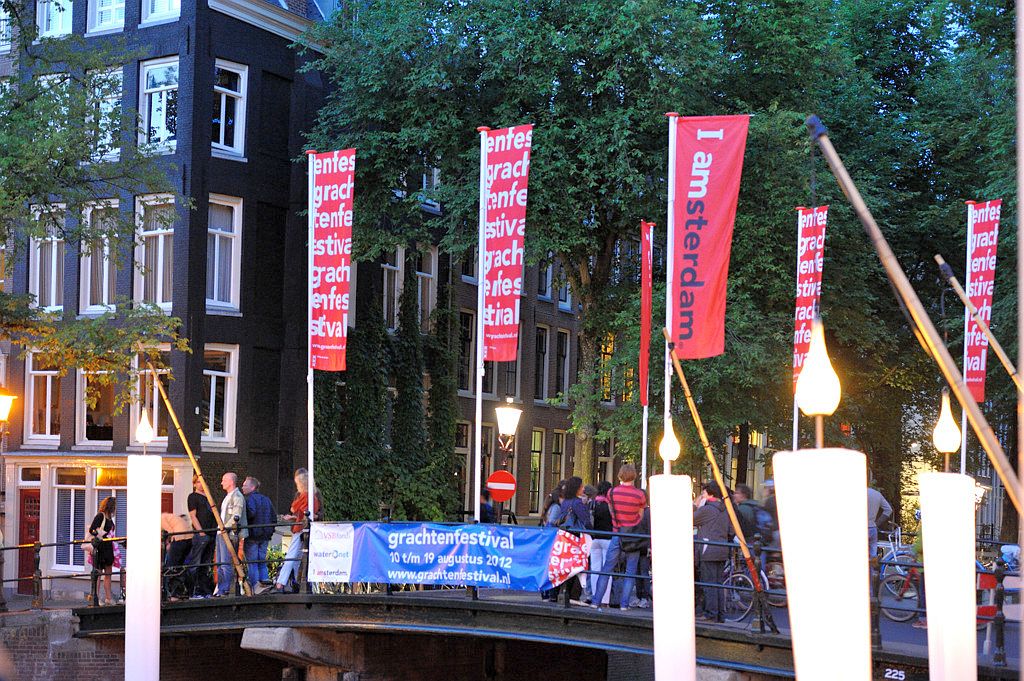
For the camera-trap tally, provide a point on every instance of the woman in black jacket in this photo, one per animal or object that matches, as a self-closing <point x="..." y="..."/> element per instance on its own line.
<point x="101" y="528"/>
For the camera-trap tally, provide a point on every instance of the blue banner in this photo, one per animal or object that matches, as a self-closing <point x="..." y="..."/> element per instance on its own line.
<point x="490" y="556"/>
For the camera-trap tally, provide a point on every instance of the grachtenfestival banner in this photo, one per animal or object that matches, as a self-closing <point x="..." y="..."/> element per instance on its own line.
<point x="484" y="555"/>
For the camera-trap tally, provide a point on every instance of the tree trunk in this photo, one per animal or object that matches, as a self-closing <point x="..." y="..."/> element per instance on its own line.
<point x="584" y="416"/>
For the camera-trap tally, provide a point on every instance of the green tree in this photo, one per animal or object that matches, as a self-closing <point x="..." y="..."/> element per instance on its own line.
<point x="68" y="144"/>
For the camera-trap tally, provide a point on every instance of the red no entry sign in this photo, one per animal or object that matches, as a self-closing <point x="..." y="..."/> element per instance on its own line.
<point x="502" y="485"/>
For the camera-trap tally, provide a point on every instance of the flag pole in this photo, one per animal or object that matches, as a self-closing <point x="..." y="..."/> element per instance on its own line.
<point x="646" y="282"/>
<point x="311" y="488"/>
<point x="481" y="278"/>
<point x="967" y="325"/>
<point x="669" y="262"/>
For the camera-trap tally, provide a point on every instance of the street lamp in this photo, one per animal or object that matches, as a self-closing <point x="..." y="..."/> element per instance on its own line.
<point x="6" y="402"/>
<point x="508" y="421"/>
<point x="946" y="436"/>
<point x="817" y="389"/>
<point x="142" y="610"/>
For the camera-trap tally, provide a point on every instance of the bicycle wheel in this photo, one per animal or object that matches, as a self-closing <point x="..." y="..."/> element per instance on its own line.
<point x="897" y="563"/>
<point x="739" y="597"/>
<point x="897" y="598"/>
<point x="775" y="582"/>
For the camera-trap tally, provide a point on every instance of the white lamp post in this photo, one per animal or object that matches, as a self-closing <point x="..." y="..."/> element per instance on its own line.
<point x="675" y="647"/>
<point x="142" y="607"/>
<point x="946" y="436"/>
<point x="947" y="526"/>
<point x="817" y="389"/>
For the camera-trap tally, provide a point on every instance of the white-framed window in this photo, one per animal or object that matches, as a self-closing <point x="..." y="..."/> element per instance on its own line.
<point x="557" y="468"/>
<point x="468" y="266"/>
<point x="106" y="103"/>
<point x="95" y="421"/>
<point x="536" y="469"/>
<point x="154" y="252"/>
<point x="392" y="271"/>
<point x="6" y="32"/>
<point x="158" y="103"/>
<point x="43" y="400"/>
<point x="147" y="393"/>
<point x="463" y="461"/>
<point x="160" y="10"/>
<point x="562" y="343"/>
<point x="467" y="357"/>
<point x="229" y="98"/>
<point x="105" y="15"/>
<point x="53" y="18"/>
<point x="540" y="365"/>
<point x="564" y="297"/>
<point x="217" y="404"/>
<point x="71" y="519"/>
<point x="46" y="267"/>
<point x="98" y="271"/>
<point x="426" y="288"/>
<point x="224" y="253"/>
<point x="545" y="273"/>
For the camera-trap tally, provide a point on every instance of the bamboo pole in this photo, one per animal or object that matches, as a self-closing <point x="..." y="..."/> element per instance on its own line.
<point x="239" y="570"/>
<point x="716" y="471"/>
<point x="928" y="334"/>
<point x="951" y="279"/>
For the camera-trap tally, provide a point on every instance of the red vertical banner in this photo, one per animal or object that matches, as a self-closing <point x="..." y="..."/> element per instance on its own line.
<point x="646" y="274"/>
<point x="508" y="169"/>
<point x="982" y="239"/>
<point x="331" y="240"/>
<point x="810" y="257"/>
<point x="708" y="164"/>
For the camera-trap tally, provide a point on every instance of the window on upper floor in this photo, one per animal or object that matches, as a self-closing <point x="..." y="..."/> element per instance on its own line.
<point x="223" y="253"/>
<point x="160" y="10"/>
<point x="53" y="18"/>
<point x="106" y="110"/>
<point x="46" y="264"/>
<point x="42" y="414"/>
<point x="562" y="365"/>
<point x="158" y="103"/>
<point x="98" y="271"/>
<point x="217" y="404"/>
<point x="229" y="98"/>
<point x="95" y="410"/>
<point x="544" y="277"/>
<point x="607" y="350"/>
<point x="6" y="33"/>
<point x="147" y="394"/>
<point x="426" y="287"/>
<point x="564" y="297"/>
<point x="154" y="252"/>
<point x="540" y="366"/>
<point x="467" y="357"/>
<point x="105" y="15"/>
<point x="391" y="269"/>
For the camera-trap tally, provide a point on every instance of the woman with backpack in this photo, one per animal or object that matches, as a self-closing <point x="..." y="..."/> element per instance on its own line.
<point x="549" y="518"/>
<point x="602" y="536"/>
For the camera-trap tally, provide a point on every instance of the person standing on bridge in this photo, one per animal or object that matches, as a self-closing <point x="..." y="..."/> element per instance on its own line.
<point x="712" y="524"/>
<point x="261" y="517"/>
<point x="205" y="526"/>
<point x="627" y="504"/>
<point x="292" y="559"/>
<point x="101" y="529"/>
<point x="232" y="512"/>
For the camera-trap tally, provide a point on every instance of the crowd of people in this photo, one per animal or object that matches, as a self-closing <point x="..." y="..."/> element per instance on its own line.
<point x="198" y="557"/>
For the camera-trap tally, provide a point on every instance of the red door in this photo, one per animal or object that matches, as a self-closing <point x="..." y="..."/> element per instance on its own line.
<point x="28" y="532"/>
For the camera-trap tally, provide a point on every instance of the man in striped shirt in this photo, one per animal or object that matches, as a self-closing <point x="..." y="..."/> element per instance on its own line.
<point x="627" y="504"/>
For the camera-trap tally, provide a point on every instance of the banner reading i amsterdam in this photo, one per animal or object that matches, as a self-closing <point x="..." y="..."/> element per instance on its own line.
<point x="508" y="169"/>
<point x="490" y="556"/>
<point x="331" y="208"/>
<point x="982" y="239"/>
<point x="709" y="161"/>
<point x="810" y="258"/>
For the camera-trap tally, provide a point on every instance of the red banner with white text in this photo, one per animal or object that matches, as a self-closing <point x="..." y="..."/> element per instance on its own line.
<point x="331" y="241"/>
<point x="508" y="168"/>
<point x="982" y="239"/>
<point x="708" y="164"/>
<point x="646" y="274"/>
<point x="810" y="257"/>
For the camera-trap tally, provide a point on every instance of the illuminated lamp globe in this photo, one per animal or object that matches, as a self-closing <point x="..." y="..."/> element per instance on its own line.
<point x="946" y="436"/>
<point x="508" y="418"/>
<point x="817" y="389"/>
<point x="144" y="431"/>
<point x="669" y="447"/>
<point x="6" y="402"/>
